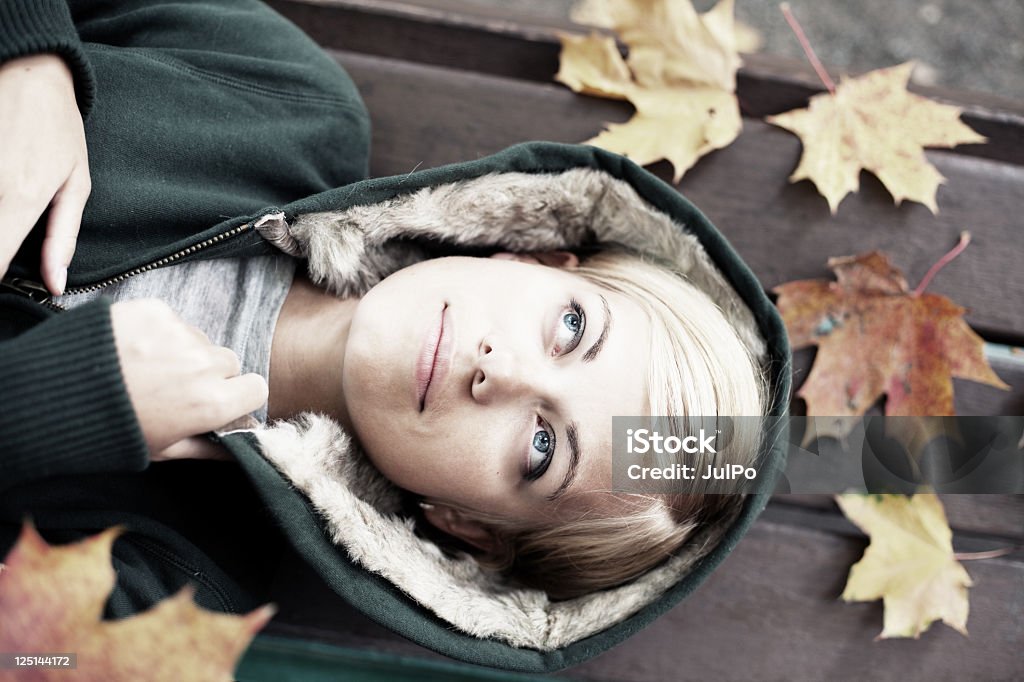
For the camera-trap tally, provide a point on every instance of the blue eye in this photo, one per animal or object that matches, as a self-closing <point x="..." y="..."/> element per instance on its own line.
<point x="541" y="450"/>
<point x="570" y="329"/>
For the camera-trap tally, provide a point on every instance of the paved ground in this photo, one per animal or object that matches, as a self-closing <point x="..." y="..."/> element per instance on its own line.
<point x="971" y="45"/>
<point x="963" y="44"/>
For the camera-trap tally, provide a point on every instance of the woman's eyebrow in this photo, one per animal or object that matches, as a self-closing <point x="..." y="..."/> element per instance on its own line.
<point x="599" y="344"/>
<point x="574" y="461"/>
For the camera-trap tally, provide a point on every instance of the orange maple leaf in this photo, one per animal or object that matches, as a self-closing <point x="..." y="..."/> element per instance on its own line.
<point x="51" y="600"/>
<point x="875" y="337"/>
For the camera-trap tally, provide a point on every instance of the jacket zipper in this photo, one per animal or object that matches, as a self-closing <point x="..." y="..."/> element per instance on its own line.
<point x="33" y="290"/>
<point x="40" y="294"/>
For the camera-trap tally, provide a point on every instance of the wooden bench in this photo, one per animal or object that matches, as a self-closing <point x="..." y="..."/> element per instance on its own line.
<point x="443" y="85"/>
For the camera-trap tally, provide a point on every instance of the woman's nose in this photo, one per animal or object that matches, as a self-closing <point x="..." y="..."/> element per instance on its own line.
<point x="500" y="374"/>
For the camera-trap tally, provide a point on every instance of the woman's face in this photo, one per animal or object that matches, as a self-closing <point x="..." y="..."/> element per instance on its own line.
<point x="491" y="383"/>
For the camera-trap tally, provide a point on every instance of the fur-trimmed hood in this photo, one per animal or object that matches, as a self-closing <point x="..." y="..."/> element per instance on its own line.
<point x="343" y="516"/>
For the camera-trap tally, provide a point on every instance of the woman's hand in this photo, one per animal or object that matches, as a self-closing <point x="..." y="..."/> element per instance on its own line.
<point x="180" y="384"/>
<point x="194" y="447"/>
<point x="43" y="162"/>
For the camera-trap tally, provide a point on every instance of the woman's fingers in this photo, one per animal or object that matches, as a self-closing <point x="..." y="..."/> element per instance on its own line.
<point x="231" y="398"/>
<point x="193" y="447"/>
<point x="246" y="393"/>
<point x="180" y="384"/>
<point x="44" y="161"/>
<point x="227" y="361"/>
<point x="18" y="214"/>
<point x="62" y="230"/>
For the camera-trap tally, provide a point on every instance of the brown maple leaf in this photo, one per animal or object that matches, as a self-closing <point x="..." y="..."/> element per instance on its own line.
<point x="51" y="600"/>
<point x="680" y="75"/>
<point x="875" y="337"/>
<point x="873" y="123"/>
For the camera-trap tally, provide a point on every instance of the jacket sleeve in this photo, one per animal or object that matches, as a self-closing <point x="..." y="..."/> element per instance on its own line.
<point x="65" y="408"/>
<point x="30" y="27"/>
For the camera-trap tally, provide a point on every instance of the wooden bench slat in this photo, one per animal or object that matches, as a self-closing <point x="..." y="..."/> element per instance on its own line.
<point x="499" y="41"/>
<point x="771" y="611"/>
<point x="426" y="116"/>
<point x="978" y="517"/>
<point x="786" y="232"/>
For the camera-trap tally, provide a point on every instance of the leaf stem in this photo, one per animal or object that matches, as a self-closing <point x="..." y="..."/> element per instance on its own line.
<point x="808" y="50"/>
<point x="965" y="239"/>
<point x="991" y="554"/>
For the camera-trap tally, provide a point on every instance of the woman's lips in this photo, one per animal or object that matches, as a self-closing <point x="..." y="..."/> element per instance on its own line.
<point x="434" y="360"/>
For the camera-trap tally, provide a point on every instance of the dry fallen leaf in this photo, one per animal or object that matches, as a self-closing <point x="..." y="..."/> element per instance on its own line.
<point x="873" y="123"/>
<point x="51" y="600"/>
<point x="875" y="338"/>
<point x="909" y="563"/>
<point x="748" y="38"/>
<point x="680" y="76"/>
<point x="599" y="13"/>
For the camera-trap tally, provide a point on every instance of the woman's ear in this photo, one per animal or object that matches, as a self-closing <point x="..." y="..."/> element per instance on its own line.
<point x="456" y="523"/>
<point x="556" y="259"/>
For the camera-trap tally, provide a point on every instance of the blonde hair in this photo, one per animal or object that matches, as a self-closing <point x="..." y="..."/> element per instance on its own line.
<point x="699" y="367"/>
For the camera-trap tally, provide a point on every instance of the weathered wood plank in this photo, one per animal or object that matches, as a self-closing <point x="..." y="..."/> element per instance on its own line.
<point x="503" y="43"/>
<point x="980" y="517"/>
<point x="771" y="611"/>
<point x="425" y="116"/>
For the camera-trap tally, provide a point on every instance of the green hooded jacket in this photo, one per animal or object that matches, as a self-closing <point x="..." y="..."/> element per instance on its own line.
<point x="268" y="154"/>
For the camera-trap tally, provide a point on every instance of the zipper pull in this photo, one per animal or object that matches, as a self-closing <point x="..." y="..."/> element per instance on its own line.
<point x="33" y="290"/>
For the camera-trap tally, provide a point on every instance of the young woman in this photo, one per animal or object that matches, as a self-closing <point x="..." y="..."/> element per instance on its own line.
<point x="458" y="338"/>
<point x="486" y="386"/>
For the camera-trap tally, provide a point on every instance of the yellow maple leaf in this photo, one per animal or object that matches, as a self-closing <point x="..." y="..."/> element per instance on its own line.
<point x="909" y="563"/>
<point x="51" y="600"/>
<point x="873" y="123"/>
<point x="748" y="38"/>
<point x="662" y="127"/>
<point x="592" y="65"/>
<point x="680" y="75"/>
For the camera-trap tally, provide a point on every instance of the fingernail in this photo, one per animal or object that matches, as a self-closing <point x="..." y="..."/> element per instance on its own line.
<point x="62" y="280"/>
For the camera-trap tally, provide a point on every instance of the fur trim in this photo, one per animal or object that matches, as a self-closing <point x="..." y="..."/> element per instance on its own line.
<point x="348" y="252"/>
